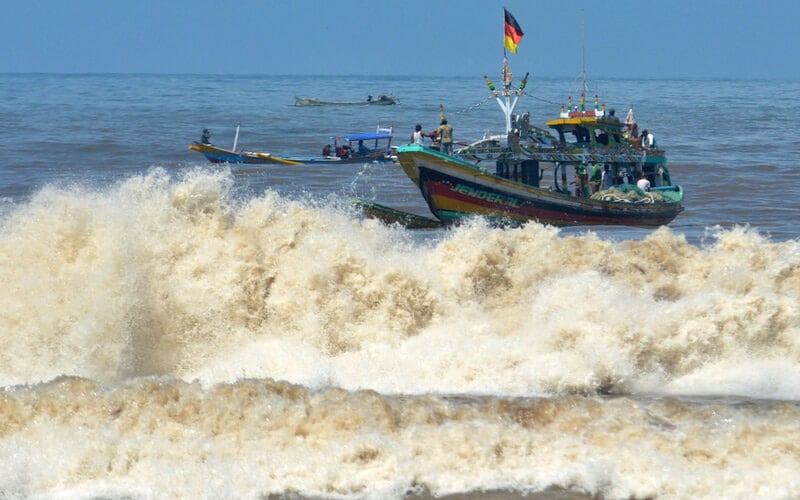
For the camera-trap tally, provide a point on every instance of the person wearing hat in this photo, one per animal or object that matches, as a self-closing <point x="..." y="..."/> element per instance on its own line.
<point x="445" y="134"/>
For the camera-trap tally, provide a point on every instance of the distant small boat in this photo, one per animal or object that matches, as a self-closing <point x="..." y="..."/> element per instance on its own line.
<point x="382" y="100"/>
<point x="348" y="148"/>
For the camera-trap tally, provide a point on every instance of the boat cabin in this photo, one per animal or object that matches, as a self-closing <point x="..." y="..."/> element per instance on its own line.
<point x="583" y="129"/>
<point x="368" y="144"/>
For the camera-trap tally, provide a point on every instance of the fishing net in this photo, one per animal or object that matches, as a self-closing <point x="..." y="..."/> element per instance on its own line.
<point x="627" y="193"/>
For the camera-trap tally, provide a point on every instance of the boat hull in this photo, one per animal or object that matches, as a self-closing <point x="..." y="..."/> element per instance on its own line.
<point x="454" y="189"/>
<point x="216" y="154"/>
<point x="310" y="101"/>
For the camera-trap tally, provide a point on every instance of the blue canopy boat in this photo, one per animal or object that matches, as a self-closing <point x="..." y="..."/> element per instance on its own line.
<point x="349" y="148"/>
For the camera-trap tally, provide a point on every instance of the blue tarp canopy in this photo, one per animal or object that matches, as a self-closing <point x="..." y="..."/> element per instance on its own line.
<point x="367" y="137"/>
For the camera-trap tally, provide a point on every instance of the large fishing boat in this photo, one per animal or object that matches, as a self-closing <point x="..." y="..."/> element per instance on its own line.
<point x="587" y="168"/>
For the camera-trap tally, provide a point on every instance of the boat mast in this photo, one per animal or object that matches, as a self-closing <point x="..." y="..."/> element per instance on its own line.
<point x="508" y="97"/>
<point x="583" y="53"/>
<point x="236" y="138"/>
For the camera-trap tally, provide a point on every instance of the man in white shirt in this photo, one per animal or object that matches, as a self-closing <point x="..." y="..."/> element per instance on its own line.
<point x="643" y="183"/>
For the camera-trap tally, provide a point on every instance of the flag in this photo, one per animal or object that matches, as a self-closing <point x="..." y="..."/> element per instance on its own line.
<point x="513" y="33"/>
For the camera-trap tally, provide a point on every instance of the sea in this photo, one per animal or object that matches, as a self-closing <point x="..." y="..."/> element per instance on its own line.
<point x="172" y="328"/>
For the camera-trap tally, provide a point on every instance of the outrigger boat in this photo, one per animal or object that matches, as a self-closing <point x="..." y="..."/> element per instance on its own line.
<point x="350" y="148"/>
<point x="382" y="100"/>
<point x="524" y="174"/>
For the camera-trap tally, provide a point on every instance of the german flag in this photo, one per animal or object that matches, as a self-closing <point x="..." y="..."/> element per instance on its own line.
<point x="513" y="33"/>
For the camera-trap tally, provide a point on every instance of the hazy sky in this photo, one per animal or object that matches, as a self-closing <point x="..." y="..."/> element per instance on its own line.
<point x="624" y="38"/>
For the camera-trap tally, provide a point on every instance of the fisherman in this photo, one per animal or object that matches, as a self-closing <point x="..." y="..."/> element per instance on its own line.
<point x="417" y="135"/>
<point x="582" y="189"/>
<point x="206" y="137"/>
<point x="643" y="183"/>
<point x="445" y="135"/>
<point x="596" y="178"/>
<point x="608" y="177"/>
<point x="648" y="140"/>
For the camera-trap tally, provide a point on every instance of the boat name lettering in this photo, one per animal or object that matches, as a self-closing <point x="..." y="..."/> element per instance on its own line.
<point x="484" y="195"/>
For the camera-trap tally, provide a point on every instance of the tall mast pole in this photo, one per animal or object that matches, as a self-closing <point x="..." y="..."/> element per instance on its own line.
<point x="504" y="96"/>
<point x="583" y="51"/>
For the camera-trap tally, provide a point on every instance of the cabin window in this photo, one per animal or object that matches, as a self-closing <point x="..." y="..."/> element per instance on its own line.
<point x="581" y="135"/>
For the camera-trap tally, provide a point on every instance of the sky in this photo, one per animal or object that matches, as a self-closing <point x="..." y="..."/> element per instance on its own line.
<point x="700" y="39"/>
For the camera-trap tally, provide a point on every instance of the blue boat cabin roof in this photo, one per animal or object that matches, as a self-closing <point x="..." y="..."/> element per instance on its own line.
<point x="367" y="136"/>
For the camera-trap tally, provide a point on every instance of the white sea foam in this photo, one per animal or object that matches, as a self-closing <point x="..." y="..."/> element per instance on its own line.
<point x="181" y="278"/>
<point x="262" y="345"/>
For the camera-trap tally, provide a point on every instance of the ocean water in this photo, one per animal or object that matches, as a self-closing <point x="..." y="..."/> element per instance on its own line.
<point x="175" y="329"/>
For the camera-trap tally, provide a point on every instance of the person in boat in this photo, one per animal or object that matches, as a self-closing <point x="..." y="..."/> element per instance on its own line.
<point x="369" y="98"/>
<point x="643" y="183"/>
<point x="648" y="140"/>
<point x="343" y="152"/>
<point x="362" y="149"/>
<point x="206" y="137"/>
<point x="418" y="135"/>
<point x="607" y="180"/>
<point x="596" y="178"/>
<point x="445" y="136"/>
<point x="326" y="150"/>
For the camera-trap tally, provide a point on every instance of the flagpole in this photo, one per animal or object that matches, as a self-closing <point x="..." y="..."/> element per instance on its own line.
<point x="506" y="104"/>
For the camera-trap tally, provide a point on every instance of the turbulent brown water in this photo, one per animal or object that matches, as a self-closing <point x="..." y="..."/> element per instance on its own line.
<point x="173" y="329"/>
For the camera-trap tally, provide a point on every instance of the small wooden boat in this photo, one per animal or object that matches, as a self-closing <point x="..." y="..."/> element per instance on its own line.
<point x="349" y="148"/>
<point x="217" y="154"/>
<point x="382" y="100"/>
<point x="391" y="215"/>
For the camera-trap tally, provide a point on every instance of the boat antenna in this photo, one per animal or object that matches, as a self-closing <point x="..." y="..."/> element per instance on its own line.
<point x="583" y="51"/>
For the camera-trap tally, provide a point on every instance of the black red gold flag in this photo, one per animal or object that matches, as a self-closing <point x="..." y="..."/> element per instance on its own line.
<point x="513" y="33"/>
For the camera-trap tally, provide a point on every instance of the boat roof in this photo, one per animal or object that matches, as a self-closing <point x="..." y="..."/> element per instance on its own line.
<point x="585" y="119"/>
<point x="367" y="136"/>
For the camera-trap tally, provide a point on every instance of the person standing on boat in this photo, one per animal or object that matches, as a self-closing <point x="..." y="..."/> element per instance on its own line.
<point x="206" y="137"/>
<point x="596" y="178"/>
<point x="445" y="134"/>
<point x="608" y="178"/>
<point x="648" y="141"/>
<point x="417" y="135"/>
